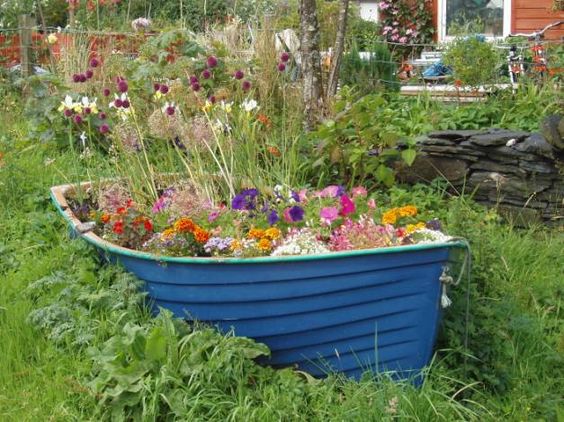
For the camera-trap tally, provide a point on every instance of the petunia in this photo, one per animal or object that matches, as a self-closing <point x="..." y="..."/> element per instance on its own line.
<point x="347" y="206"/>
<point x="329" y="214"/>
<point x="273" y="217"/>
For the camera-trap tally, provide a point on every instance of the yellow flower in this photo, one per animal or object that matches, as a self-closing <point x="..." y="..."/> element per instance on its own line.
<point x="52" y="39"/>
<point x="168" y="233"/>
<point x="272" y="233"/>
<point x="410" y="228"/>
<point x="207" y="107"/>
<point x="157" y="96"/>
<point x="236" y="245"/>
<point x="264" y="244"/>
<point x="407" y="211"/>
<point x="390" y="217"/>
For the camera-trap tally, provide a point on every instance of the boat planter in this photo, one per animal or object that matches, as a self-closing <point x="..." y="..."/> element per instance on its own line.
<point x="348" y="312"/>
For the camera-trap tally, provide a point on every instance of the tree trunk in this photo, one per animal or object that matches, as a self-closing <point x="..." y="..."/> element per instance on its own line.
<point x="338" y="49"/>
<point x="311" y="62"/>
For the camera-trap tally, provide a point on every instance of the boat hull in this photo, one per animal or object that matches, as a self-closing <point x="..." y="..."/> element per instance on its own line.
<point x="348" y="312"/>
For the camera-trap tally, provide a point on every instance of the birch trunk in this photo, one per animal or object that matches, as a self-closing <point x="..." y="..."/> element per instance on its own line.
<point x="338" y="49"/>
<point x="311" y="62"/>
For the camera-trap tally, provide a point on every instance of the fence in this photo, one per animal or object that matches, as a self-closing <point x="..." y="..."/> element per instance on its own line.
<point x="32" y="48"/>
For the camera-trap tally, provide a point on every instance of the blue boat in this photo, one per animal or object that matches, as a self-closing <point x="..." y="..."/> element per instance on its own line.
<point x="346" y="312"/>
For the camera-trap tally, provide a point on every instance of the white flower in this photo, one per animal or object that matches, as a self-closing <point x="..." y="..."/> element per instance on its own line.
<point x="249" y="105"/>
<point x="52" y="39"/>
<point x="83" y="139"/>
<point x="227" y="107"/>
<point x="68" y="103"/>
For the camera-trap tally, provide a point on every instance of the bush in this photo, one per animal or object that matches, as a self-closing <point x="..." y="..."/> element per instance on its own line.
<point x="473" y="61"/>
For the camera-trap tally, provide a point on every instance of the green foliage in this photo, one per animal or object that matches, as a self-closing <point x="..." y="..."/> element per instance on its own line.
<point x="363" y="33"/>
<point x="372" y="73"/>
<point x="473" y="61"/>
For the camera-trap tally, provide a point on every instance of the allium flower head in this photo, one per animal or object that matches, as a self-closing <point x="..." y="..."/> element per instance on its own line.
<point x="122" y="86"/>
<point x="163" y="89"/>
<point x="281" y="67"/>
<point x="206" y="74"/>
<point x="211" y="61"/>
<point x="284" y="57"/>
<point x="246" y="85"/>
<point x="89" y="74"/>
<point x="94" y="62"/>
<point x="106" y="92"/>
<point x="239" y="74"/>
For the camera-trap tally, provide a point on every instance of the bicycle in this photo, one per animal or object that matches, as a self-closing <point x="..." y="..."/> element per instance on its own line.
<point x="516" y="62"/>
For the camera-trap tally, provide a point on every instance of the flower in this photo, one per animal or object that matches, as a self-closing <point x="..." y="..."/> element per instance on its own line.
<point x="94" y="62"/>
<point x="184" y="225"/>
<point x="293" y="214"/>
<point x="148" y="225"/>
<point x="284" y="57"/>
<point x="211" y="61"/>
<point x="239" y="74"/>
<point x="255" y="233"/>
<point x="359" y="191"/>
<point x="52" y="39"/>
<point x="206" y="74"/>
<point x="201" y="235"/>
<point x="281" y="67"/>
<point x="264" y="244"/>
<point x="347" y="206"/>
<point x="163" y="89"/>
<point x="122" y="86"/>
<point x="389" y="217"/>
<point x="118" y="227"/>
<point x="104" y="128"/>
<point x="273" y="217"/>
<point x="246" y="85"/>
<point x="328" y="214"/>
<point x="249" y="105"/>
<point x="272" y="233"/>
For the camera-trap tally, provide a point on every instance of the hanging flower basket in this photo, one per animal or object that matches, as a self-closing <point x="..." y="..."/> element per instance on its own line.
<point x="352" y="311"/>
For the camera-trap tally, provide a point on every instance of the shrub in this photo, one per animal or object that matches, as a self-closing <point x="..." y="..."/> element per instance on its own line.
<point x="473" y="61"/>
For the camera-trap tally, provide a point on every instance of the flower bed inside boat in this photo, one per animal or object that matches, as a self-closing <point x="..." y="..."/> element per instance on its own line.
<point x="313" y="296"/>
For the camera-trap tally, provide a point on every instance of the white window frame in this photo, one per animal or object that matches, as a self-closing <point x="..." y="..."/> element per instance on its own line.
<point x="441" y="21"/>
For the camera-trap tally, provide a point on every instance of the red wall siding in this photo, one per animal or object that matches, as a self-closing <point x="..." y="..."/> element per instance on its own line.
<point x="531" y="15"/>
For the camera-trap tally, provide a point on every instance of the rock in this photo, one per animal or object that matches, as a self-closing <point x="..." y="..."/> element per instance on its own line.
<point x="561" y="128"/>
<point x="536" y="144"/>
<point x="520" y="216"/>
<point x="549" y="128"/>
<point x="496" y="137"/>
<point x="436" y="141"/>
<point x="455" y="134"/>
<point x="537" y="166"/>
<point x="427" y="168"/>
<point x="498" y="167"/>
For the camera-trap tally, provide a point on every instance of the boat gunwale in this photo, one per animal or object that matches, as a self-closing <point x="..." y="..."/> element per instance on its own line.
<point x="57" y="194"/>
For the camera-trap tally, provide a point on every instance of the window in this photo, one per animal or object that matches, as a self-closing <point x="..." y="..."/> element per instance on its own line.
<point x="463" y="17"/>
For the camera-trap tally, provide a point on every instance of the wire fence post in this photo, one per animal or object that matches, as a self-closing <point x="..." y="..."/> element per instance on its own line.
<point x="26" y="24"/>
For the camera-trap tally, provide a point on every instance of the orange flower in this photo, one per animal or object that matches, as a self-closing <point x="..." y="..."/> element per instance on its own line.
<point x="236" y="245"/>
<point x="167" y="234"/>
<point x="263" y="118"/>
<point x="407" y="211"/>
<point x="274" y="151"/>
<point x="184" y="225"/>
<point x="458" y="83"/>
<point x="105" y="218"/>
<point x="264" y="244"/>
<point x="121" y="210"/>
<point x="118" y="227"/>
<point x="255" y="233"/>
<point x="390" y="217"/>
<point x="201" y="235"/>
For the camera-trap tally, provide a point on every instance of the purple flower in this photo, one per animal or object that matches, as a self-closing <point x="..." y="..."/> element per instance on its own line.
<point x="434" y="224"/>
<point x="104" y="128"/>
<point x="102" y="115"/>
<point x="284" y="57"/>
<point x="295" y="213"/>
<point x="193" y="80"/>
<point x="157" y="87"/>
<point x="87" y="110"/>
<point x="82" y="77"/>
<point x="211" y="99"/>
<point x="122" y="86"/>
<point x="281" y="67"/>
<point x="238" y="74"/>
<point x="164" y="89"/>
<point x="295" y="196"/>
<point x="246" y="200"/>
<point x="76" y="78"/>
<point x="89" y="74"/>
<point x="68" y="112"/>
<point x="246" y="85"/>
<point x="125" y="104"/>
<point x="196" y="86"/>
<point x="77" y="119"/>
<point x="106" y="92"/>
<point x="94" y="62"/>
<point x="212" y="216"/>
<point x="273" y="217"/>
<point x="170" y="110"/>
<point x="212" y="61"/>
<point x="206" y="74"/>
<point x="118" y="102"/>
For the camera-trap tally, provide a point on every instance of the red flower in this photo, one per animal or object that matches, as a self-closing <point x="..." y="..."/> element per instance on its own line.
<point x="148" y="225"/>
<point x="121" y="210"/>
<point x="118" y="227"/>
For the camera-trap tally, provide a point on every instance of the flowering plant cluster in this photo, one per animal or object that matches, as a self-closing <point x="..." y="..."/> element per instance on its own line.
<point x="279" y="222"/>
<point x="406" y="22"/>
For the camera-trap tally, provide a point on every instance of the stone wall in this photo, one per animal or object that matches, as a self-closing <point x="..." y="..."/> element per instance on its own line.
<point x="518" y="172"/>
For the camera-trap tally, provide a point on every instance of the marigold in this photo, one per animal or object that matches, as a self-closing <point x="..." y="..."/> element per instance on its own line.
<point x="407" y="211"/>
<point x="105" y="218"/>
<point x="410" y="228"/>
<point x="184" y="225"/>
<point x="264" y="244"/>
<point x="256" y="233"/>
<point x="201" y="235"/>
<point x="390" y="217"/>
<point x="168" y="233"/>
<point x="118" y="227"/>
<point x="236" y="245"/>
<point x="272" y="233"/>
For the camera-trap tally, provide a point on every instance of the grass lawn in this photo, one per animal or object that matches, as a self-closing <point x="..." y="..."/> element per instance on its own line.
<point x="64" y="317"/>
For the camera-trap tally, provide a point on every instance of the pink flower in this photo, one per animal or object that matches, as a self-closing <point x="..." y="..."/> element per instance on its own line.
<point x="403" y="40"/>
<point x="212" y="216"/>
<point x="371" y="204"/>
<point x="302" y="195"/>
<point x="347" y="206"/>
<point x="330" y="192"/>
<point x="359" y="191"/>
<point x="395" y="37"/>
<point x="328" y="214"/>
